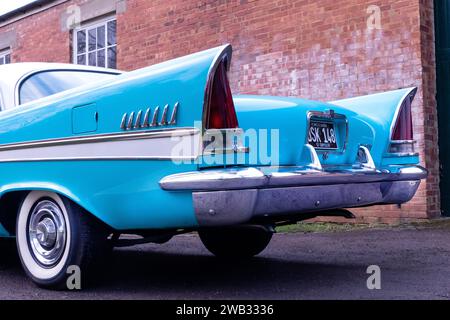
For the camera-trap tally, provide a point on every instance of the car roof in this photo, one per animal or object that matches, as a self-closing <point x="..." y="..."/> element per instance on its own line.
<point x="15" y="71"/>
<point x="11" y="74"/>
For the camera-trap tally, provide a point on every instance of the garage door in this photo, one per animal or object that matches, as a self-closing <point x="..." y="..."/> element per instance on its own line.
<point x="442" y="21"/>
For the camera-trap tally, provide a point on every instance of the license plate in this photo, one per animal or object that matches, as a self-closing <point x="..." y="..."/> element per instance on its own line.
<point x="322" y="135"/>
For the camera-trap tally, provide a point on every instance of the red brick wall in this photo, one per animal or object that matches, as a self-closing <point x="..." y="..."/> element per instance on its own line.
<point x="318" y="49"/>
<point x="39" y="38"/>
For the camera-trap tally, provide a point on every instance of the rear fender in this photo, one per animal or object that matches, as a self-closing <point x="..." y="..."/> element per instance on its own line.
<point x="381" y="111"/>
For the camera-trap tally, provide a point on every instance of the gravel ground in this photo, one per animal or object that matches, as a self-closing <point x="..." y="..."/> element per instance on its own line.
<point x="414" y="262"/>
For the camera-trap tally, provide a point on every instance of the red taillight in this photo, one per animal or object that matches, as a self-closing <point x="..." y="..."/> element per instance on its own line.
<point x="220" y="113"/>
<point x="403" y="129"/>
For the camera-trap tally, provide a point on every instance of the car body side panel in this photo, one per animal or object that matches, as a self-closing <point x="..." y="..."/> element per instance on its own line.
<point x="123" y="194"/>
<point x="370" y="119"/>
<point x="3" y="232"/>
<point x="181" y="80"/>
<point x="289" y="116"/>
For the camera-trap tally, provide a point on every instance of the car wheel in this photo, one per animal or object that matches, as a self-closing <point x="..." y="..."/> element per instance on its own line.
<point x="236" y="242"/>
<point x="53" y="234"/>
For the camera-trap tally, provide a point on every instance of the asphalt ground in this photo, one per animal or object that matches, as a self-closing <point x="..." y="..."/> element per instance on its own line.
<point x="414" y="263"/>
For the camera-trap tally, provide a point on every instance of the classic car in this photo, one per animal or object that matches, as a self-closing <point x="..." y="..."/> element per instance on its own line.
<point x="88" y="155"/>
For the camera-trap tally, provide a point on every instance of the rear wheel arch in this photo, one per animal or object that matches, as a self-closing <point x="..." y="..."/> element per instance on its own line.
<point x="11" y="200"/>
<point x="9" y="207"/>
<point x="54" y="233"/>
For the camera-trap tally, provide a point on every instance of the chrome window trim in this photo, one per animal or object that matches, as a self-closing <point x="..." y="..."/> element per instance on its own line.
<point x="30" y="74"/>
<point x="2" y="104"/>
<point x="328" y="115"/>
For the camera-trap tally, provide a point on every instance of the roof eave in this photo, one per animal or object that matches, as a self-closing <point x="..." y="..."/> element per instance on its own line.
<point x="24" y="9"/>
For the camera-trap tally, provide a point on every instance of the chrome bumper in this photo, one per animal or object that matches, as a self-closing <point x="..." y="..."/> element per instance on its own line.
<point x="234" y="196"/>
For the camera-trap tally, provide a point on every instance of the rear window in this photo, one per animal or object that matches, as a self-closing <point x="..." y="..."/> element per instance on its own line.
<point x="47" y="83"/>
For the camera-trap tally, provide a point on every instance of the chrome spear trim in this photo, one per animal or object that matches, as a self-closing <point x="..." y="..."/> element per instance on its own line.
<point x="137" y="123"/>
<point x="142" y="119"/>
<point x="123" y="123"/>
<point x="173" y="118"/>
<point x="130" y="121"/>
<point x="155" y="117"/>
<point x="164" y="116"/>
<point x="146" y="123"/>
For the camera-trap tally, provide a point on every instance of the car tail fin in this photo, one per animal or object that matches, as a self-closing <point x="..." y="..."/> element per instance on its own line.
<point x="392" y="108"/>
<point x="220" y="112"/>
<point x="221" y="133"/>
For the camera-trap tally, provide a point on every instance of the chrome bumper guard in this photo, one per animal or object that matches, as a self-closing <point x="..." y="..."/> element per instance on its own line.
<point x="238" y="195"/>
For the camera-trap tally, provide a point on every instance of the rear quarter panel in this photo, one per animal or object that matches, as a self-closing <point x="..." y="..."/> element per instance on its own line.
<point x="125" y="194"/>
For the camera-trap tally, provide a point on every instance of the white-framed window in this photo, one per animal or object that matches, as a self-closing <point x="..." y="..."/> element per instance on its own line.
<point x="5" y="57"/>
<point x="95" y="44"/>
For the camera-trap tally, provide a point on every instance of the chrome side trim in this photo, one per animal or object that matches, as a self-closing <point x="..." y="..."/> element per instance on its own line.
<point x="122" y="136"/>
<point x="125" y="146"/>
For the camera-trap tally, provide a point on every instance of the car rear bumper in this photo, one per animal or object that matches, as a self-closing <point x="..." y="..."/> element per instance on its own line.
<point x="239" y="195"/>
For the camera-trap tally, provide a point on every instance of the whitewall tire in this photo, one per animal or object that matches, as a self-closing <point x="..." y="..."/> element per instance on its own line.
<point x="52" y="234"/>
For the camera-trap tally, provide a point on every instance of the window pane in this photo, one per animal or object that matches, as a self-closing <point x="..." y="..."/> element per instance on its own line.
<point x="81" y="59"/>
<point x="8" y="58"/>
<point x="112" y="58"/>
<point x="101" y="37"/>
<point x="81" y="41"/>
<point x="47" y="83"/>
<point x="111" y="33"/>
<point x="92" y="39"/>
<point x="101" y="58"/>
<point x="2" y="61"/>
<point x="92" y="59"/>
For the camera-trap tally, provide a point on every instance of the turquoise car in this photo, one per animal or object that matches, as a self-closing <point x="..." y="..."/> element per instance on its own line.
<point x="88" y="155"/>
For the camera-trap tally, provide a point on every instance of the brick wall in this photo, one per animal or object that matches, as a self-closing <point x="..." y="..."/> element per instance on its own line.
<point x="320" y="49"/>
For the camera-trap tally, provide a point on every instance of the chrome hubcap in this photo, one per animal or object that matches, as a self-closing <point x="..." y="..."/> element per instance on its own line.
<point x="47" y="233"/>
